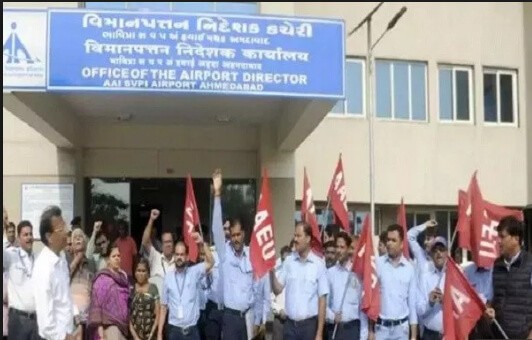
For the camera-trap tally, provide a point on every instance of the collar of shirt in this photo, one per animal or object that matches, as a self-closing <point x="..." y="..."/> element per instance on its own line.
<point x="346" y="267"/>
<point x="51" y="257"/>
<point x="403" y="261"/>
<point x="508" y="264"/>
<point x="309" y="258"/>
<point x="242" y="254"/>
<point x="166" y="261"/>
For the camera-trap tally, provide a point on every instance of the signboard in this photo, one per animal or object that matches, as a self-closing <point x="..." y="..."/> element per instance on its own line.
<point x="37" y="197"/>
<point x="24" y="49"/>
<point x="201" y="53"/>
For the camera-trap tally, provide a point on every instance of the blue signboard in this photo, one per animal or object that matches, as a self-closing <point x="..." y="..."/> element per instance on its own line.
<point x="206" y="53"/>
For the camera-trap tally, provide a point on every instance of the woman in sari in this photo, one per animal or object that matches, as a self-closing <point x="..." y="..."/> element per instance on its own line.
<point x="109" y="312"/>
<point x="144" y="305"/>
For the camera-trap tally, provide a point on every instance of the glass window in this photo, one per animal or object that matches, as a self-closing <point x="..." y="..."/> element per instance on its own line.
<point x="149" y="6"/>
<point x="191" y="7"/>
<point x="237" y="7"/>
<point x="354" y="89"/>
<point x="109" y="200"/>
<point x="221" y="7"/>
<point x="401" y="90"/>
<point x="500" y="96"/>
<point x="105" y="5"/>
<point x="455" y="88"/>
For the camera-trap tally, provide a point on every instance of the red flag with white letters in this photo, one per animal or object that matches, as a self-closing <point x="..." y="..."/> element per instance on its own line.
<point x="190" y="221"/>
<point x="364" y="266"/>
<point x="485" y="217"/>
<point x="308" y="215"/>
<point x="401" y="220"/>
<point x="462" y="307"/>
<point x="337" y="196"/>
<point x="262" y="244"/>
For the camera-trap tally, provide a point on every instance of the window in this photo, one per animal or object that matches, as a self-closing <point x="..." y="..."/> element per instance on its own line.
<point x="415" y="219"/>
<point x="500" y="96"/>
<point x="220" y="7"/>
<point x="401" y="90"/>
<point x="456" y="94"/>
<point x="354" y="89"/>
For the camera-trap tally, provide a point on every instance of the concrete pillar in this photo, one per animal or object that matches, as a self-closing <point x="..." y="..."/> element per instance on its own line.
<point x="280" y="166"/>
<point x="79" y="187"/>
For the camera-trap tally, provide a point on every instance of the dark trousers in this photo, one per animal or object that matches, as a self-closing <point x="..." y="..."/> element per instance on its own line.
<point x="201" y="324"/>
<point x="300" y="330"/>
<point x="431" y="335"/>
<point x="22" y="327"/>
<point x="234" y="327"/>
<point x="176" y="333"/>
<point x="482" y="330"/>
<point x="345" y="331"/>
<point x="213" y="321"/>
<point x="278" y="327"/>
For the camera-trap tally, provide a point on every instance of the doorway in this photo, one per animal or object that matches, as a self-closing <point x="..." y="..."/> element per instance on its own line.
<point x="132" y="199"/>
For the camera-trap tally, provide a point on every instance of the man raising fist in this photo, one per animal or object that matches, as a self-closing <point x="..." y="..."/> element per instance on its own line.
<point x="160" y="264"/>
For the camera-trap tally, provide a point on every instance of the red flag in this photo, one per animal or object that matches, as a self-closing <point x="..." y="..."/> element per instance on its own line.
<point x="308" y="215"/>
<point x="485" y="217"/>
<point x="190" y="221"/>
<point x="337" y="196"/>
<point x="461" y="304"/>
<point x="463" y="225"/>
<point x="262" y="244"/>
<point x="364" y="266"/>
<point x="401" y="220"/>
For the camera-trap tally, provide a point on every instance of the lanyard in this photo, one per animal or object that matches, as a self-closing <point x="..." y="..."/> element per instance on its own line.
<point x="162" y="264"/>
<point x="182" y="288"/>
<point x="25" y="269"/>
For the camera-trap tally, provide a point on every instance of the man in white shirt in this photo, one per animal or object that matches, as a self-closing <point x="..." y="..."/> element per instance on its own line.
<point x="18" y="264"/>
<point x="160" y="264"/>
<point x="51" y="281"/>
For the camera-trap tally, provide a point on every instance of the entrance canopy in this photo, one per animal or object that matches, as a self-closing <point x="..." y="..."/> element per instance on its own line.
<point x="68" y="70"/>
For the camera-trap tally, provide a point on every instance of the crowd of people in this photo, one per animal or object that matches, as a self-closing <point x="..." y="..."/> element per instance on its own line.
<point x="98" y="287"/>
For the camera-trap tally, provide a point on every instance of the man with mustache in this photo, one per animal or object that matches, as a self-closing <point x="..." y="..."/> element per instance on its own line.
<point x="180" y="294"/>
<point x="304" y="277"/>
<point x="430" y="295"/>
<point x="236" y="280"/>
<point x="18" y="263"/>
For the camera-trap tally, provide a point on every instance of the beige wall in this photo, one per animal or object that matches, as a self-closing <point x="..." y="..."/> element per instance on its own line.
<point x="527" y="15"/>
<point x="427" y="162"/>
<point x="30" y="158"/>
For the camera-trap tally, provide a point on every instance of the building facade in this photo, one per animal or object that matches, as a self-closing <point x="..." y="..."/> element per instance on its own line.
<point x="452" y="95"/>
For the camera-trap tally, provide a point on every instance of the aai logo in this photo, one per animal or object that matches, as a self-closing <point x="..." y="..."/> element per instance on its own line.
<point x="24" y="49"/>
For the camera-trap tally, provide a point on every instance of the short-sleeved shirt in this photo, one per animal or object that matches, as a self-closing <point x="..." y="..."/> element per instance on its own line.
<point x="304" y="282"/>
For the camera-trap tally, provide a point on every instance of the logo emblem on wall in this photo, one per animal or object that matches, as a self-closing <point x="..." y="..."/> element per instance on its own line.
<point x="15" y="50"/>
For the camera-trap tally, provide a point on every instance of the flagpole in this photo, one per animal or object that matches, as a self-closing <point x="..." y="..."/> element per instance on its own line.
<point x="500" y="329"/>
<point x="342" y="303"/>
<point x="326" y="214"/>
